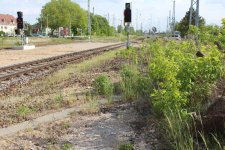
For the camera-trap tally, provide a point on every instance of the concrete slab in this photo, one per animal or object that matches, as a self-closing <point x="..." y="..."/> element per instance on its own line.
<point x="25" y="47"/>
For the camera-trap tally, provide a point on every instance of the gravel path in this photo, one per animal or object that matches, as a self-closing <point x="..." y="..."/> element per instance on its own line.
<point x="8" y="57"/>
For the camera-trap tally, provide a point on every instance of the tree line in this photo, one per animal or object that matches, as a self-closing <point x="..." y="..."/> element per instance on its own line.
<point x="66" y="13"/>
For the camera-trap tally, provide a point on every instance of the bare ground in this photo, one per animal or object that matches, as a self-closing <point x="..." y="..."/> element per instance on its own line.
<point x="111" y="127"/>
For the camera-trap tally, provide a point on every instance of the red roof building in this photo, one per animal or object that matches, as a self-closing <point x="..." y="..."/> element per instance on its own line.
<point x="8" y="24"/>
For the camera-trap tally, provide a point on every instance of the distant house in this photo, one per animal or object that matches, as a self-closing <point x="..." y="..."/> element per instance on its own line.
<point x="8" y="24"/>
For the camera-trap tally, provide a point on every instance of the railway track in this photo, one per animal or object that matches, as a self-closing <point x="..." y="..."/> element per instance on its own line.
<point x="9" y="73"/>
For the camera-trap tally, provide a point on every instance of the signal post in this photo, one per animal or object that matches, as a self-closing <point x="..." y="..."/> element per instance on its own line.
<point x="20" y="31"/>
<point x="127" y="21"/>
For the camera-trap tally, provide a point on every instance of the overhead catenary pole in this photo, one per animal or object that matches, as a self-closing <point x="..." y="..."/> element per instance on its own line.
<point x="89" y="22"/>
<point x="194" y="3"/>
<point x="173" y="18"/>
<point x="137" y="21"/>
<point x="197" y="14"/>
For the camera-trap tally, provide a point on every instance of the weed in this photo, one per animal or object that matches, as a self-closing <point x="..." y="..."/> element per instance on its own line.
<point x="103" y="86"/>
<point x="65" y="126"/>
<point x="67" y="146"/>
<point x="24" y="110"/>
<point x="129" y="83"/>
<point x="126" y="147"/>
<point x="59" y="99"/>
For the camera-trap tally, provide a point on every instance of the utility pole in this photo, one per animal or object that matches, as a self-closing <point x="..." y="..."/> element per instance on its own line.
<point x="89" y="22"/>
<point x="173" y="18"/>
<point x="108" y="18"/>
<point x="170" y="27"/>
<point x="114" y="19"/>
<point x="47" y="27"/>
<point x="70" y="26"/>
<point x="137" y="21"/>
<point x="194" y="3"/>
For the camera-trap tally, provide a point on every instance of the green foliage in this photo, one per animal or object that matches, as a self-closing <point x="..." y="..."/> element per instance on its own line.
<point x="180" y="78"/>
<point x="175" y="81"/>
<point x="103" y="86"/>
<point x="24" y="110"/>
<point x="66" y="13"/>
<point x="59" y="99"/>
<point x="60" y="13"/>
<point x="126" y="147"/>
<point x="183" y="25"/>
<point x="67" y="146"/>
<point x="211" y="34"/>
<point x="2" y="33"/>
<point x="100" y="26"/>
<point x="130" y="76"/>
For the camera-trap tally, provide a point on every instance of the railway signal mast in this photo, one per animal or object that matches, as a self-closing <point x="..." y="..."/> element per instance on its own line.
<point x="127" y="21"/>
<point x="194" y="3"/>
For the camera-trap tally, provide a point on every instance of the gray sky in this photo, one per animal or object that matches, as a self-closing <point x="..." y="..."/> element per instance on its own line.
<point x="149" y="12"/>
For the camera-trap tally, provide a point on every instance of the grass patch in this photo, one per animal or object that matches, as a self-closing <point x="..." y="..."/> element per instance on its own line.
<point x="126" y="147"/>
<point x="103" y="86"/>
<point x="24" y="110"/>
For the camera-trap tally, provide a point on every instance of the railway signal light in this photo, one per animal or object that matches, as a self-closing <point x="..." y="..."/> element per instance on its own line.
<point x="127" y="13"/>
<point x="19" y="20"/>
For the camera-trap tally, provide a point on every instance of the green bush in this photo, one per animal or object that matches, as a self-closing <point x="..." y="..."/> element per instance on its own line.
<point x="130" y="76"/>
<point x="126" y="147"/>
<point x="179" y="79"/>
<point x="103" y="86"/>
<point x="2" y="33"/>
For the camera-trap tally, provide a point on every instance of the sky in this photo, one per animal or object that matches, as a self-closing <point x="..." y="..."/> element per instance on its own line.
<point x="145" y="13"/>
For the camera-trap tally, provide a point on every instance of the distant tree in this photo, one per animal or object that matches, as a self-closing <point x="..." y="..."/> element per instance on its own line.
<point x="2" y="33"/>
<point x="183" y="25"/>
<point x="28" y="28"/>
<point x="100" y="26"/>
<point x="63" y="13"/>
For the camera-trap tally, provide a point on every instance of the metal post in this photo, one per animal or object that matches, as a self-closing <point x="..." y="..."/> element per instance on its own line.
<point x="173" y="18"/>
<point x="89" y="22"/>
<point x="194" y="3"/>
<point x="47" y="27"/>
<point x="197" y="14"/>
<point x="191" y="12"/>
<point x="128" y="35"/>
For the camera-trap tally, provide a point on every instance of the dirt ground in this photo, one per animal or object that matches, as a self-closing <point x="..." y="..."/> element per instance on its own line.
<point x="8" y="56"/>
<point x="119" y="124"/>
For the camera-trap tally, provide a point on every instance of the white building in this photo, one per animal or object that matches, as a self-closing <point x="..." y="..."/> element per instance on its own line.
<point x="8" y="24"/>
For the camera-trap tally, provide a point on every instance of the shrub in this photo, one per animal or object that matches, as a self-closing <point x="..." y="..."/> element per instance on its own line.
<point x="103" y="86"/>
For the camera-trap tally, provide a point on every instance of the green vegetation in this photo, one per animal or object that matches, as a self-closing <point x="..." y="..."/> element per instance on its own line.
<point x="129" y="82"/>
<point x="183" y="25"/>
<point x="177" y="83"/>
<point x="126" y="147"/>
<point x="54" y="12"/>
<point x="67" y="146"/>
<point x="103" y="86"/>
<point x="24" y="110"/>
